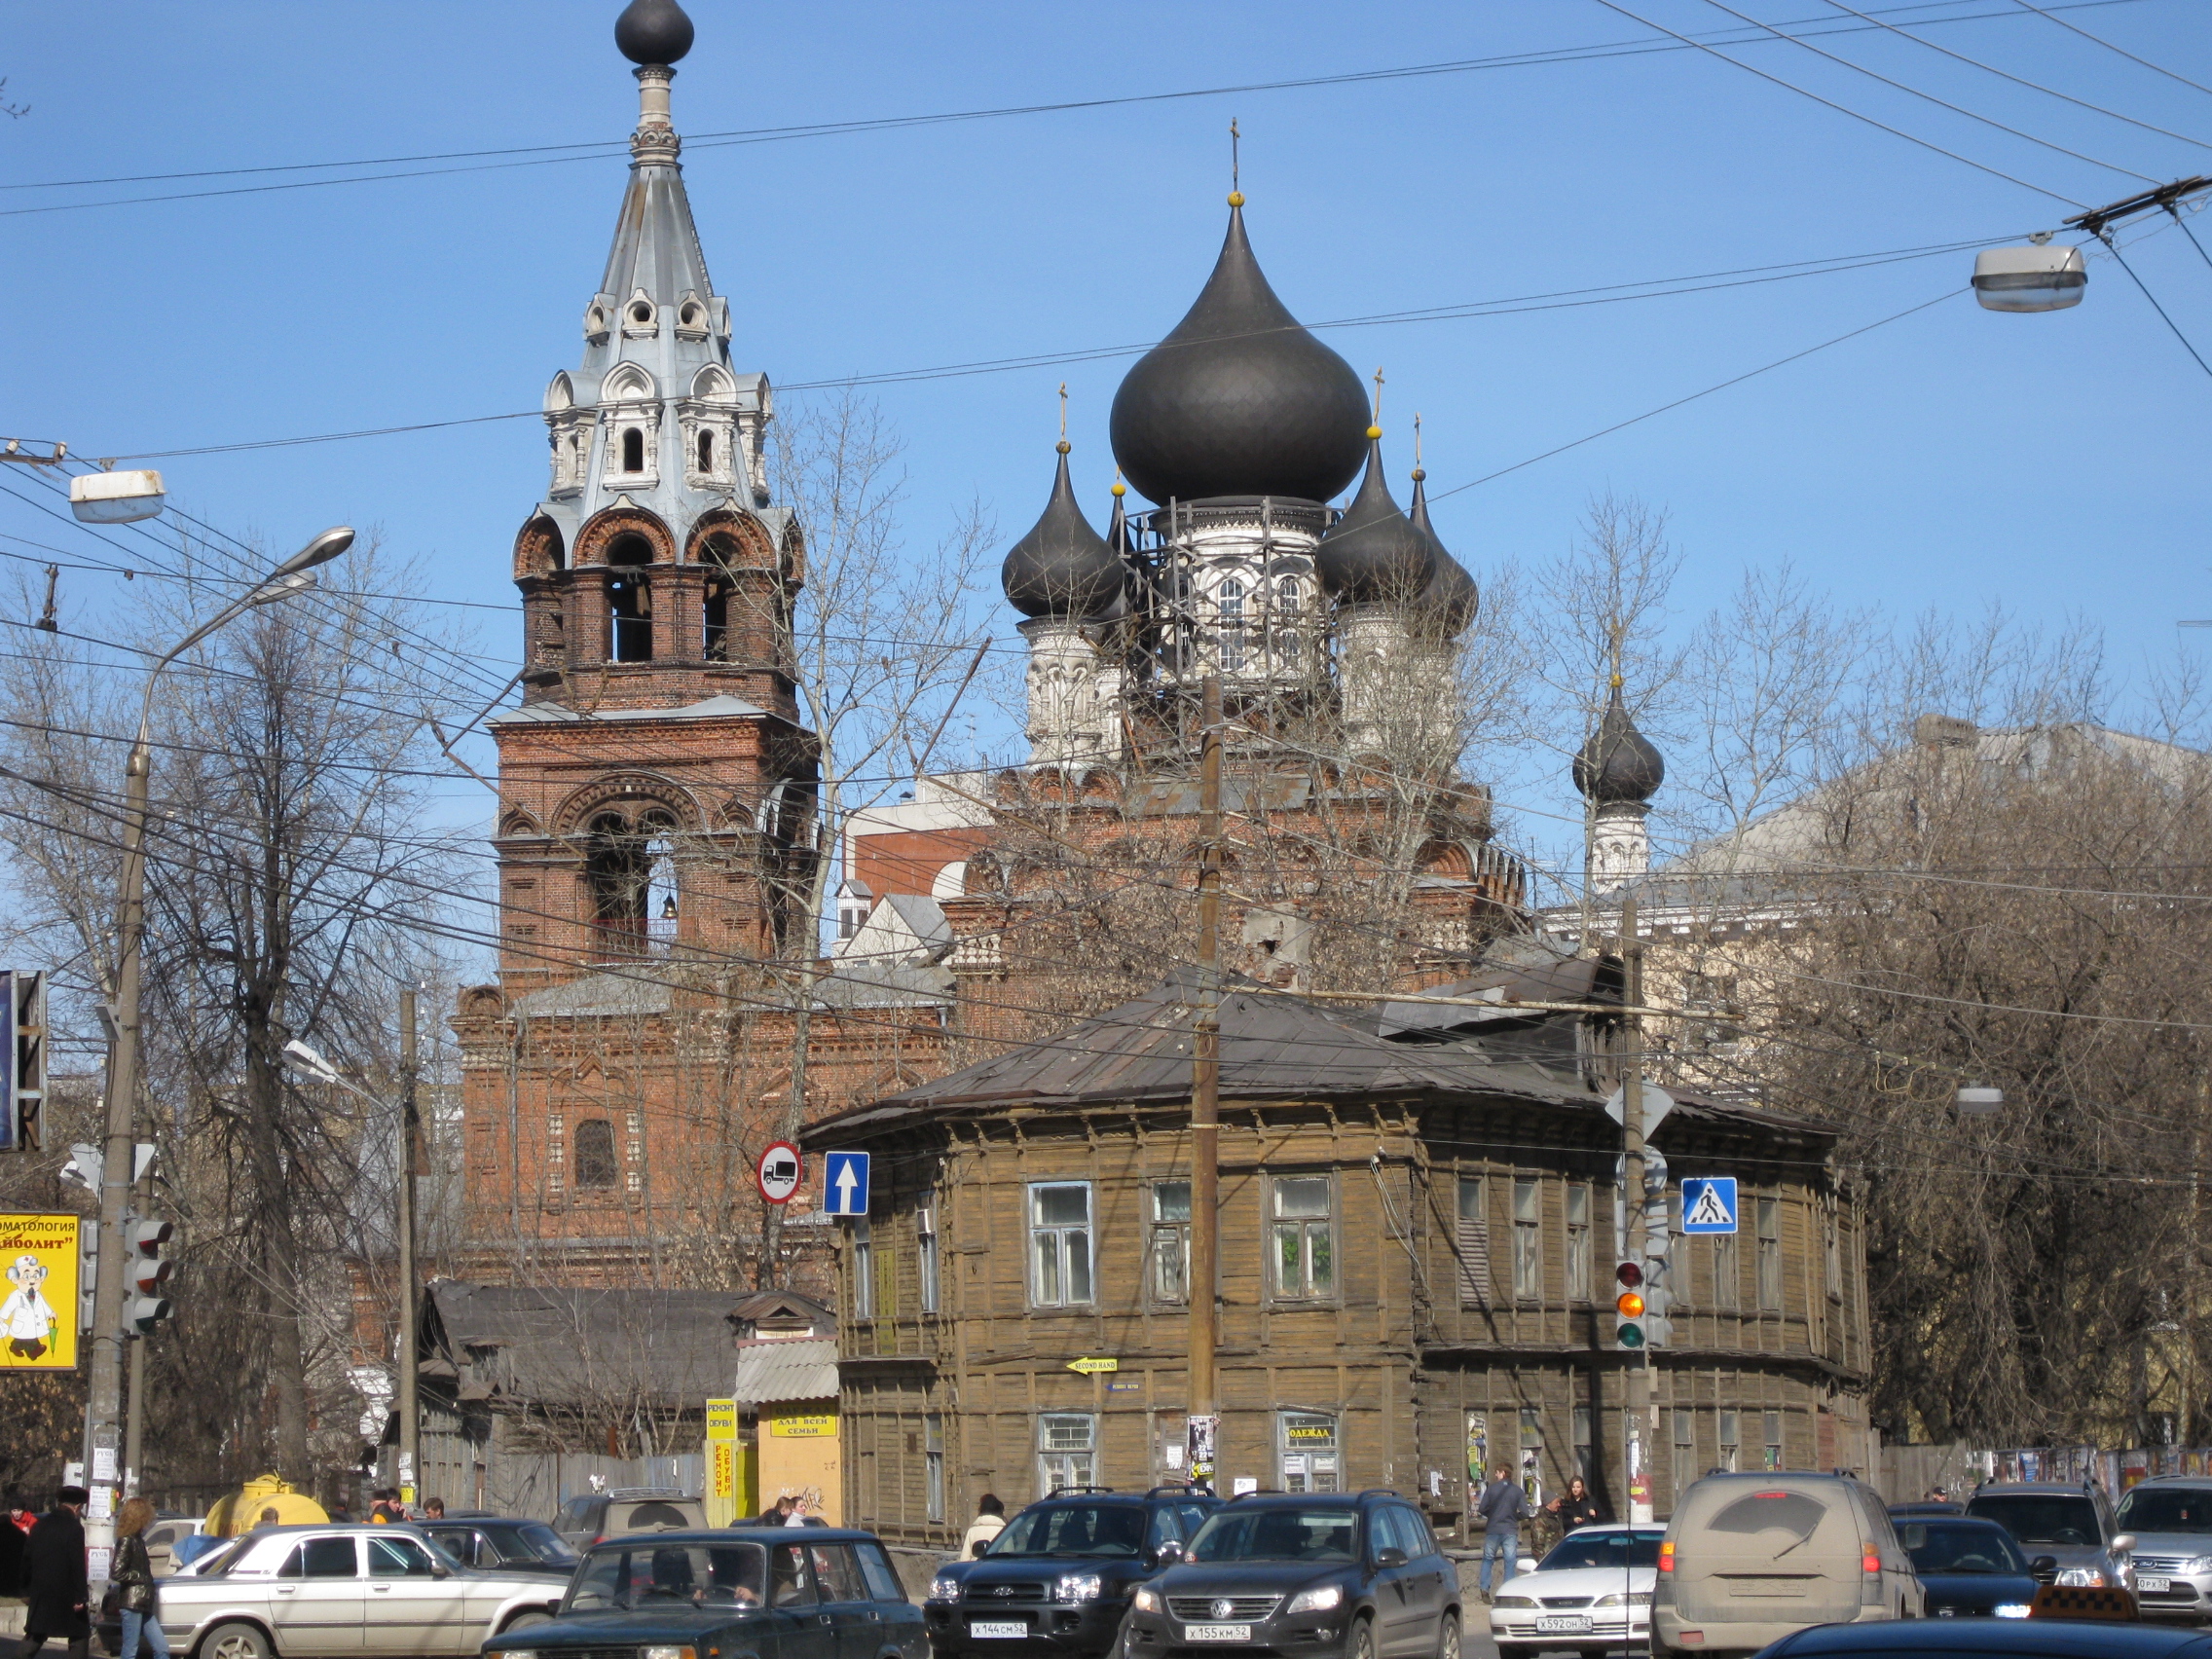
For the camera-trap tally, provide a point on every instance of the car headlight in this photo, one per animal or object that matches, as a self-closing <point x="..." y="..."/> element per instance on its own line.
<point x="668" y="1653"/>
<point x="1147" y="1600"/>
<point x="2076" y="1578"/>
<point x="2011" y="1609"/>
<point x="941" y="1590"/>
<point x="1633" y="1598"/>
<point x="2197" y="1564"/>
<point x="1319" y="1599"/>
<point x="516" y="1653"/>
<point x="1513" y="1600"/>
<point x="1072" y="1587"/>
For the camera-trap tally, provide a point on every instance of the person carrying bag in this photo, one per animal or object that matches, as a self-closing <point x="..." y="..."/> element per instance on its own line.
<point x="138" y="1594"/>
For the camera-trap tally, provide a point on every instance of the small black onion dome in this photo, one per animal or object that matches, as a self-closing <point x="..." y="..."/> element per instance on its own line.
<point x="1375" y="551"/>
<point x="1451" y="597"/>
<point x="1618" y="764"/>
<point x="1239" y="399"/>
<point x="652" y="31"/>
<point x="1063" y="568"/>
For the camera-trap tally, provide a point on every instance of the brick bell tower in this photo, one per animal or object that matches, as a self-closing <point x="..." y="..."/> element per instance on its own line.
<point x="654" y="788"/>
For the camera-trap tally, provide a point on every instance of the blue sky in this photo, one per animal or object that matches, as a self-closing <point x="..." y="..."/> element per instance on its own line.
<point x="2055" y="463"/>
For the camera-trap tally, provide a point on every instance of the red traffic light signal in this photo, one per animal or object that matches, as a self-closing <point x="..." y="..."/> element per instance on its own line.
<point x="1630" y="1275"/>
<point x="149" y="1269"/>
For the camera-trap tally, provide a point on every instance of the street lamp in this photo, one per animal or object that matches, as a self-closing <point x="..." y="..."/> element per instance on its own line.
<point x="2039" y="278"/>
<point x="103" y="1411"/>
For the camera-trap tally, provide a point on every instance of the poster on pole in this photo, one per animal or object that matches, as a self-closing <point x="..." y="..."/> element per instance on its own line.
<point x="38" y="1312"/>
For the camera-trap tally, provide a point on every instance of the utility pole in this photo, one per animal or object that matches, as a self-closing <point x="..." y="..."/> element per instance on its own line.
<point x="1203" y="1419"/>
<point x="410" y="1418"/>
<point x="1636" y="1442"/>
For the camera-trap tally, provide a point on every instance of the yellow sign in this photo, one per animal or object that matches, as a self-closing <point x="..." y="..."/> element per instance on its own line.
<point x="721" y="1420"/>
<point x="1311" y="1433"/>
<point x="1092" y="1367"/>
<point x="38" y="1315"/>
<point x="805" y="1425"/>
<point x="722" y="1468"/>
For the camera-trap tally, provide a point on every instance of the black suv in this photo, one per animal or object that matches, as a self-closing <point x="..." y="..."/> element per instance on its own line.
<point x="1058" y="1579"/>
<point x="1337" y="1574"/>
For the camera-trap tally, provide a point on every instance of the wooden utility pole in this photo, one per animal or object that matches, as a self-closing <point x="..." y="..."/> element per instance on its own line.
<point x="1204" y="1420"/>
<point x="1637" y="1442"/>
<point x="410" y="1416"/>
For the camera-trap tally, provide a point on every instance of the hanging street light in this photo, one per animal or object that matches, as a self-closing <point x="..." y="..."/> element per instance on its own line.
<point x="2039" y="277"/>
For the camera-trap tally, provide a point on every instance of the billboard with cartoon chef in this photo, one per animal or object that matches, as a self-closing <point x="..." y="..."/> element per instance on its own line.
<point x="38" y="1313"/>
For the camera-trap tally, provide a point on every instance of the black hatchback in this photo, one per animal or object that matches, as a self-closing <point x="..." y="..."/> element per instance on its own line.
<point x="1355" y="1575"/>
<point x="1057" y="1578"/>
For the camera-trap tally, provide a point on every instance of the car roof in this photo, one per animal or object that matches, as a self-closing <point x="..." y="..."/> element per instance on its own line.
<point x="741" y="1535"/>
<point x="1980" y="1522"/>
<point x="1306" y="1499"/>
<point x="2173" y="1480"/>
<point x="1997" y="1488"/>
<point x="2060" y="1638"/>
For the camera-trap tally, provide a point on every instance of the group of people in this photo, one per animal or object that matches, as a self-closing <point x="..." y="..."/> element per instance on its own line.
<point x="1503" y="1506"/>
<point x="789" y="1510"/>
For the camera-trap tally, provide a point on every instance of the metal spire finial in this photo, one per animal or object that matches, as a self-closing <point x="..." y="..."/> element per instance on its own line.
<point x="1374" y="422"/>
<point x="1419" y="472"/>
<point x="1236" y="168"/>
<point x="1063" y="443"/>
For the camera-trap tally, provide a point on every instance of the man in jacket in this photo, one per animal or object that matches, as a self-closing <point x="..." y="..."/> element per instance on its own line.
<point x="1503" y="1506"/>
<point x="53" y="1571"/>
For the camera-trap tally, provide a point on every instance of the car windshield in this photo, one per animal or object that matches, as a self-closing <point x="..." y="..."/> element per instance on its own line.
<point x="2041" y="1518"/>
<point x="1277" y="1534"/>
<point x="1072" y="1529"/>
<point x="219" y="1562"/>
<point x="648" y="1575"/>
<point x="1604" y="1549"/>
<point x="538" y="1539"/>
<point x="1938" y="1546"/>
<point x="2167" y="1509"/>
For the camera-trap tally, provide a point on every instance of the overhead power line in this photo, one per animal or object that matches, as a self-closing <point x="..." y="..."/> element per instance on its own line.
<point x="2048" y="12"/>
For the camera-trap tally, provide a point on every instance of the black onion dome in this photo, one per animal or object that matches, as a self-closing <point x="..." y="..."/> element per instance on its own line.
<point x="652" y="31"/>
<point x="1063" y="568"/>
<point x="1239" y="399"/>
<point x="1618" y="764"/>
<point x="1451" y="597"/>
<point x="1375" y="551"/>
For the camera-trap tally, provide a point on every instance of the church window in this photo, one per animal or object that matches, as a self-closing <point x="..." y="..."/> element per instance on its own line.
<point x="595" y="1153"/>
<point x="632" y="870"/>
<point x="1286" y="595"/>
<point x="633" y="450"/>
<point x="1232" y="595"/>
<point x="706" y="452"/>
<point x="630" y="602"/>
<point x="1233" y="653"/>
<point x="641" y="312"/>
<point x="692" y="315"/>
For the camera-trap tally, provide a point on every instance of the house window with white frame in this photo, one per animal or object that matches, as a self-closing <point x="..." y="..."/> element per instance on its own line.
<point x="1301" y="1227"/>
<point x="925" y="1241"/>
<point x="863" y="1269"/>
<point x="1171" y="1241"/>
<point x="1527" y="1239"/>
<point x="1067" y="1451"/>
<point x="1060" y="1245"/>
<point x="1579" y="1241"/>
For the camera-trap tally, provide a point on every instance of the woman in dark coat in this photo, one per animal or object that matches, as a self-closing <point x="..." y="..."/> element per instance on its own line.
<point x="12" y="1539"/>
<point x="53" y="1568"/>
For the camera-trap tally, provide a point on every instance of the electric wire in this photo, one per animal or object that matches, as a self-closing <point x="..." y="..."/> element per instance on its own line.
<point x="2154" y="299"/>
<point x="2047" y="13"/>
<point x="1943" y="103"/>
<point x="1840" y="109"/>
<point x="600" y="148"/>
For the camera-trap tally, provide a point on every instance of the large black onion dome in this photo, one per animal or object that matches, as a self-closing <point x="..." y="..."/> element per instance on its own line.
<point x="1063" y="568"/>
<point x="1239" y="399"/>
<point x="652" y="31"/>
<point x="1451" y="597"/>
<point x="1618" y="764"/>
<point x="1375" y="551"/>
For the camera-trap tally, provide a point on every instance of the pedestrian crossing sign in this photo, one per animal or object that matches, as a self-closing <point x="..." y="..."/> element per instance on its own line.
<point x="1709" y="1203"/>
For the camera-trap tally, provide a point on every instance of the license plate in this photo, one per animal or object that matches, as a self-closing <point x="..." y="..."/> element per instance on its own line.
<point x="2156" y="1586"/>
<point x="1564" y="1624"/>
<point x="1000" y="1629"/>
<point x="1217" y="1633"/>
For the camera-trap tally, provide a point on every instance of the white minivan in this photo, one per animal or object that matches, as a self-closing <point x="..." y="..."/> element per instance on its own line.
<point x="1747" y="1559"/>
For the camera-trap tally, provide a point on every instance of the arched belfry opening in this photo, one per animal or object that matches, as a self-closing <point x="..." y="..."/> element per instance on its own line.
<point x="629" y="601"/>
<point x="630" y="863"/>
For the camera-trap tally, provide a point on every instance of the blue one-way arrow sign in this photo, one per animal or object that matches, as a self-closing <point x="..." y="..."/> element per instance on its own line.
<point x="845" y="1182"/>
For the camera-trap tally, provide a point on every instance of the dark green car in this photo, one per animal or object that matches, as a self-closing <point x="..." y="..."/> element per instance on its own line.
<point x="740" y="1593"/>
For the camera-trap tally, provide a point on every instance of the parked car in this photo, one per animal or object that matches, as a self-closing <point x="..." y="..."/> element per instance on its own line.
<point x="1059" y="1577"/>
<point x="1971" y="1568"/>
<point x="1749" y="1559"/>
<point x="1924" y="1511"/>
<point x="503" y="1544"/>
<point x="1592" y="1592"/>
<point x="596" y="1515"/>
<point x="2027" y="1638"/>
<point x="300" y="1591"/>
<point x="737" y="1593"/>
<point x="163" y="1536"/>
<point x="1350" y="1573"/>
<point x="2074" y="1524"/>
<point x="2171" y="1519"/>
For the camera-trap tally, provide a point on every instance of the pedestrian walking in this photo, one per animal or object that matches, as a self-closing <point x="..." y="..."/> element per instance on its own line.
<point x="138" y="1596"/>
<point x="1503" y="1506"/>
<point x="54" y="1570"/>
<point x="989" y="1522"/>
<point x="12" y="1539"/>
<point x="1575" y="1507"/>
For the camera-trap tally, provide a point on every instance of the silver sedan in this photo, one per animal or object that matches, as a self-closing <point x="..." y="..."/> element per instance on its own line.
<point x="305" y="1592"/>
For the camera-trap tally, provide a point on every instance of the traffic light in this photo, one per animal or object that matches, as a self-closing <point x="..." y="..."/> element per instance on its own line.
<point x="150" y="1270"/>
<point x="1629" y="1305"/>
